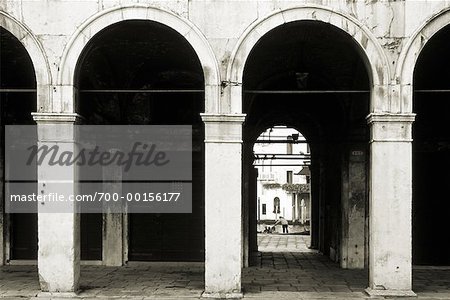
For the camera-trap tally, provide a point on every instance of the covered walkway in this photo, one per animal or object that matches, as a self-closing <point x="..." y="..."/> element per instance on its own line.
<point x="297" y="273"/>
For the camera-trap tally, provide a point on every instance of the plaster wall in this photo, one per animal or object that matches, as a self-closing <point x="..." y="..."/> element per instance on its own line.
<point x="223" y="24"/>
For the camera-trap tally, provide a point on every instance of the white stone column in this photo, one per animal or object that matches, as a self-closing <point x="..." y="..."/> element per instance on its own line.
<point x="390" y="205"/>
<point x="294" y="207"/>
<point x="223" y="205"/>
<point x="58" y="232"/>
<point x="113" y="217"/>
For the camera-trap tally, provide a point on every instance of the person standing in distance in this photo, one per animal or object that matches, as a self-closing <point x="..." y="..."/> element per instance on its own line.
<point x="284" y="224"/>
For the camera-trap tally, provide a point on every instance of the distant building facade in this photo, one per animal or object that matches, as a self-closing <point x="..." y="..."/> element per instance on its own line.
<point x="282" y="190"/>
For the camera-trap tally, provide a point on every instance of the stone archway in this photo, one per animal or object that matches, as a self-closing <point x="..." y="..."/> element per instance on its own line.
<point x="64" y="277"/>
<point x="390" y="149"/>
<point x="37" y="55"/>
<point x="376" y="61"/>
<point x="404" y="71"/>
<point x="65" y="80"/>
<point x="38" y="79"/>
<point x="423" y="79"/>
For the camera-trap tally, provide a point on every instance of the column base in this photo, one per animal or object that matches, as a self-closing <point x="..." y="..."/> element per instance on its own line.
<point x="57" y="295"/>
<point x="232" y="295"/>
<point x="390" y="293"/>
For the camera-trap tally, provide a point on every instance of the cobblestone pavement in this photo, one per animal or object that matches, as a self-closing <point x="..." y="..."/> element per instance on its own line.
<point x="299" y="273"/>
<point x="283" y="243"/>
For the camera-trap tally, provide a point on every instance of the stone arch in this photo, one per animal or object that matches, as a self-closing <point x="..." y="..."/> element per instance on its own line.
<point x="404" y="72"/>
<point x="37" y="55"/>
<point x="105" y="18"/>
<point x="373" y="55"/>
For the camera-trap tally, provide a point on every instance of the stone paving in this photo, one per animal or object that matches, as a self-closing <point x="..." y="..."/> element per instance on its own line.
<point x="299" y="270"/>
<point x="297" y="273"/>
<point x="283" y="243"/>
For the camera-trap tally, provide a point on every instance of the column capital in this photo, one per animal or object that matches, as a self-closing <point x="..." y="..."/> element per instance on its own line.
<point x="223" y="128"/>
<point x="223" y="118"/>
<point x="57" y="127"/>
<point x="387" y="127"/>
<point x="56" y="118"/>
<point x="390" y="117"/>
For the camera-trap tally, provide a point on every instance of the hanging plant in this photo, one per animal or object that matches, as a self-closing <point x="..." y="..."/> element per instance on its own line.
<point x="296" y="188"/>
<point x="272" y="185"/>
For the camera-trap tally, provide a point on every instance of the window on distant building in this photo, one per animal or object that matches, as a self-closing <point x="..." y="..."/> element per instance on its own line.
<point x="289" y="176"/>
<point x="264" y="209"/>
<point x="276" y="205"/>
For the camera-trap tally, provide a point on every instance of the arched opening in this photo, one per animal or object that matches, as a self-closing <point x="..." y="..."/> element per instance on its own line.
<point x="140" y="72"/>
<point x="431" y="152"/>
<point x="17" y="102"/>
<point x="282" y="160"/>
<point x="311" y="76"/>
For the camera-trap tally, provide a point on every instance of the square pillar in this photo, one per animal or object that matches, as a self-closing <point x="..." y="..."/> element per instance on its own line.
<point x="58" y="224"/>
<point x="2" y="233"/>
<point x="223" y="205"/>
<point x="2" y="208"/>
<point x="353" y="203"/>
<point x="390" y="205"/>
<point x="4" y="220"/>
<point x="113" y="219"/>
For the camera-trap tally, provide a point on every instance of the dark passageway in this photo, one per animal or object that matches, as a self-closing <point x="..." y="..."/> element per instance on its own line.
<point x="145" y="73"/>
<point x="431" y="152"/>
<point x="17" y="102"/>
<point x="315" y="81"/>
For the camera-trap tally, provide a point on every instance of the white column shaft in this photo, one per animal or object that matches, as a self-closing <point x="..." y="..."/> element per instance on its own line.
<point x="223" y="205"/>
<point x="390" y="205"/>
<point x="58" y="232"/>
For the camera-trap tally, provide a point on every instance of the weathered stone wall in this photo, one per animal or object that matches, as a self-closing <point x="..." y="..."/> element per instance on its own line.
<point x="223" y="23"/>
